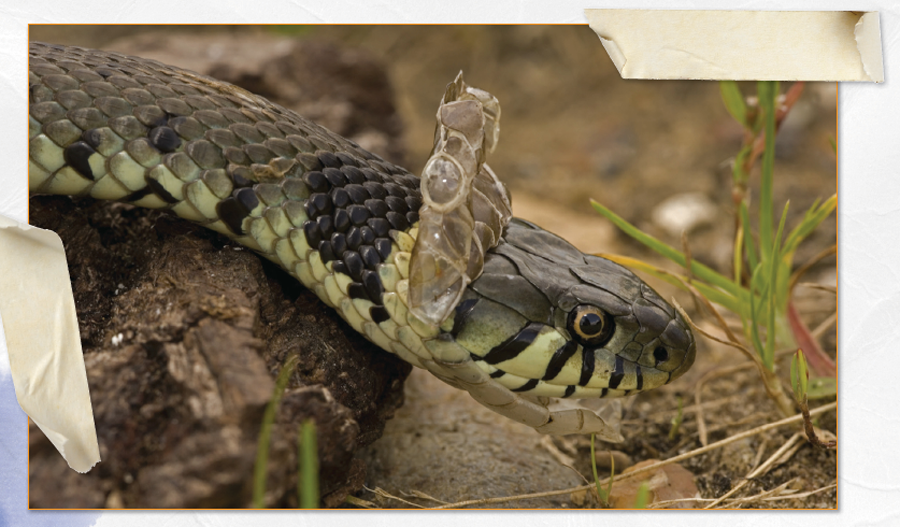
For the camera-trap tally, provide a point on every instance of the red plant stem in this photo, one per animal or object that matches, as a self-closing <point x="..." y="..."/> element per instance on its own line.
<point x="818" y="360"/>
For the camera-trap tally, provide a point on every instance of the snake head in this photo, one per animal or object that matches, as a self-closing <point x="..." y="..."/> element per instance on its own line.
<point x="548" y="320"/>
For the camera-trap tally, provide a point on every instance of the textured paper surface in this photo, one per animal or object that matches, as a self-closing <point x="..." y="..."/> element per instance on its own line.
<point x="43" y="342"/>
<point x="741" y="45"/>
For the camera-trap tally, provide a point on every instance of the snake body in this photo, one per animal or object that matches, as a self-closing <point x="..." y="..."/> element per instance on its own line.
<point x="542" y="319"/>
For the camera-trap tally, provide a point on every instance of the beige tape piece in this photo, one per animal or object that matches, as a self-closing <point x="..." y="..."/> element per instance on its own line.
<point x="43" y="341"/>
<point x="741" y="45"/>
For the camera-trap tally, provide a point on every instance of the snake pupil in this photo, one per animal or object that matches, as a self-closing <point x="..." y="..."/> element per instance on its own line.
<point x="661" y="354"/>
<point x="591" y="324"/>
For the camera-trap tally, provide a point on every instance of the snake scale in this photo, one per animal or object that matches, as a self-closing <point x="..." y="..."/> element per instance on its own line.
<point x="522" y="319"/>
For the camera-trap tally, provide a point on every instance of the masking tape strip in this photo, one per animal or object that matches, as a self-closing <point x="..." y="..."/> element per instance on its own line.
<point x="741" y="45"/>
<point x="43" y="340"/>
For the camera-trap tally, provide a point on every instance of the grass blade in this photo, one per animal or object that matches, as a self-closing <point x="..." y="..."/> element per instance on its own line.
<point x="768" y="91"/>
<point x="734" y="101"/>
<point x="265" y="434"/>
<point x="308" y="458"/>
<point x="698" y="269"/>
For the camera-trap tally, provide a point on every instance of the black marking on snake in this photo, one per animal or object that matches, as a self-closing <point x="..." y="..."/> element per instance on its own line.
<point x="615" y="378"/>
<point x="326" y="225"/>
<point x="379" y="226"/>
<point x="340" y="198"/>
<point x="371" y="175"/>
<point x="235" y="209"/>
<point x="164" y="139"/>
<point x="341" y="220"/>
<point x="92" y="137"/>
<point x="366" y="235"/>
<point x="379" y="314"/>
<point x="372" y="283"/>
<point x="396" y="204"/>
<point x="355" y="265"/>
<point x="353" y="174"/>
<point x="316" y="181"/>
<point x="346" y="159"/>
<point x="384" y="248"/>
<point x="76" y="156"/>
<point x="326" y="252"/>
<point x="604" y="392"/>
<point x="160" y="191"/>
<point x="640" y="378"/>
<point x="369" y="256"/>
<point x="398" y="221"/>
<point x="322" y="204"/>
<point x="338" y="243"/>
<point x="463" y="310"/>
<point x="240" y="176"/>
<point x="377" y="207"/>
<point x="496" y="374"/>
<point x="138" y="194"/>
<point x="357" y="290"/>
<point x="358" y="194"/>
<point x="413" y="202"/>
<point x="354" y="238"/>
<point x="412" y="217"/>
<point x="511" y="347"/>
<point x="328" y="159"/>
<point x="570" y="389"/>
<point x="339" y="266"/>
<point x="358" y="214"/>
<point x="335" y="177"/>
<point x="587" y="366"/>
<point x="559" y="359"/>
<point x="375" y="188"/>
<point x="311" y="231"/>
<point x="527" y="386"/>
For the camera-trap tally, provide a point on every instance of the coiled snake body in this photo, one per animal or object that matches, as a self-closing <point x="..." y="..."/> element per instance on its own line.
<point x="527" y="316"/>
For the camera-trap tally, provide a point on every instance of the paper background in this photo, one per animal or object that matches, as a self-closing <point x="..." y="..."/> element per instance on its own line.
<point x="740" y="45"/>
<point x="869" y="218"/>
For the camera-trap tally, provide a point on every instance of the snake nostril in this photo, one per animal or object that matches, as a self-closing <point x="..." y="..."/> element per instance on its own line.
<point x="661" y="354"/>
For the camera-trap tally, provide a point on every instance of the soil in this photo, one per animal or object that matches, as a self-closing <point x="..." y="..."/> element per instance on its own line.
<point x="571" y="130"/>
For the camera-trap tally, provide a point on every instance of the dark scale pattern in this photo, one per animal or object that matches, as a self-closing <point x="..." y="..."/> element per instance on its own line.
<point x="76" y="155"/>
<point x="95" y="103"/>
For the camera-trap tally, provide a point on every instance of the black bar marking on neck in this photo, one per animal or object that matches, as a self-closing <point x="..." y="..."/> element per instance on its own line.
<point x="570" y="389"/>
<point x="511" y="347"/>
<point x="497" y="373"/>
<point x="587" y="366"/>
<point x="640" y="378"/>
<point x="559" y="359"/>
<point x="615" y="378"/>
<point x="527" y="386"/>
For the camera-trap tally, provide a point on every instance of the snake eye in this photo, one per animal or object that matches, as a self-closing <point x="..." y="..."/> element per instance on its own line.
<point x="590" y="325"/>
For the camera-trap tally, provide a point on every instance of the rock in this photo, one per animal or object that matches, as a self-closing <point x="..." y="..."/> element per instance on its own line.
<point x="684" y="213"/>
<point x="183" y="332"/>
<point x="446" y="445"/>
<point x="669" y="482"/>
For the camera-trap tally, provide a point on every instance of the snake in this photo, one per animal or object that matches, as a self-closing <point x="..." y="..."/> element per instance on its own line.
<point x="491" y="304"/>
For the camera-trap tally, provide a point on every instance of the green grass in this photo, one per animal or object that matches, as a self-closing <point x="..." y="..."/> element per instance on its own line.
<point x="759" y="293"/>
